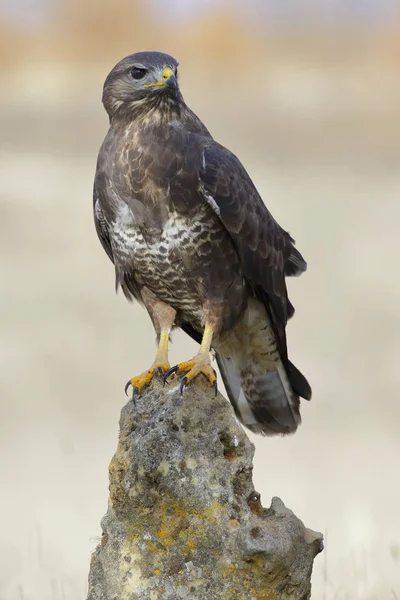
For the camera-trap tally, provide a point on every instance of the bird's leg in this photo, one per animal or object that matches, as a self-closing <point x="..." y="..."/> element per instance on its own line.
<point x="160" y="366"/>
<point x="163" y="317"/>
<point x="200" y="363"/>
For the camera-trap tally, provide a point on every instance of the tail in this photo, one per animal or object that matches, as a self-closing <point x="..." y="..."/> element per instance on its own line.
<point x="264" y="403"/>
<point x="263" y="389"/>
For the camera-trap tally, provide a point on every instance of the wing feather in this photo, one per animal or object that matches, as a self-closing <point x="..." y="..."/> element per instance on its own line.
<point x="267" y="251"/>
<point x="101" y="227"/>
<point x="122" y="279"/>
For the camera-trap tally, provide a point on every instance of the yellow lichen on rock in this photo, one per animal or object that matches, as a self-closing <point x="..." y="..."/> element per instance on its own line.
<point x="180" y="523"/>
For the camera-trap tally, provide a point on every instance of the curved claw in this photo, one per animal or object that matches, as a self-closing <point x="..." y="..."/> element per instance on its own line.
<point x="183" y="385"/>
<point x="127" y="387"/>
<point x="215" y="386"/>
<point x="162" y="374"/>
<point x="135" y="391"/>
<point x="170" y="372"/>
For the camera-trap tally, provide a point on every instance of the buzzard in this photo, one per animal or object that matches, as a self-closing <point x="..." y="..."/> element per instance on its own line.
<point x="192" y="240"/>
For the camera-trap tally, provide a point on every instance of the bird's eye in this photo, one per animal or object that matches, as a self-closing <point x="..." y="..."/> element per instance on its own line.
<point x="176" y="73"/>
<point x="138" y="73"/>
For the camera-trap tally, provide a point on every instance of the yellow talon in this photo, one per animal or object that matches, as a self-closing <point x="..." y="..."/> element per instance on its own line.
<point x="145" y="378"/>
<point x="200" y="364"/>
<point x="195" y="367"/>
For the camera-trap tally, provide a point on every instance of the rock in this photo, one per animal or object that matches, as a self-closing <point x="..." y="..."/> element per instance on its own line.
<point x="184" y="520"/>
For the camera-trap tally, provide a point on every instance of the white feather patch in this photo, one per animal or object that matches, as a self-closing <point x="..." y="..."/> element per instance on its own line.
<point x="246" y="413"/>
<point x="211" y="202"/>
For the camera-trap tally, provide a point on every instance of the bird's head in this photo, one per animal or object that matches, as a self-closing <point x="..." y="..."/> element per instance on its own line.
<point x="143" y="79"/>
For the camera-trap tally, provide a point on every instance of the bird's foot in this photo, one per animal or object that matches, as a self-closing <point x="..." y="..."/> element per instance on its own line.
<point x="191" y="369"/>
<point x="141" y="381"/>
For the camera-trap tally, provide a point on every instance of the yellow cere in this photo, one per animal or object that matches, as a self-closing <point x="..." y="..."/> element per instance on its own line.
<point x="166" y="74"/>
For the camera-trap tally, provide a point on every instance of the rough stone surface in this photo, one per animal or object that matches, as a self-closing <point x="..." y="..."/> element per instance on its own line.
<point x="184" y="520"/>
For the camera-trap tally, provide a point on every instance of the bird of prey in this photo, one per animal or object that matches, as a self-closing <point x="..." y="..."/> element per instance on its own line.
<point x="192" y="240"/>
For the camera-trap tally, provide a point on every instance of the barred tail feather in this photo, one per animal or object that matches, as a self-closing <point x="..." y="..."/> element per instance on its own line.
<point x="264" y="402"/>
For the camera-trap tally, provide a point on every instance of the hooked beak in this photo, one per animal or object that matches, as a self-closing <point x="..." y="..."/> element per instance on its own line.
<point x="168" y="78"/>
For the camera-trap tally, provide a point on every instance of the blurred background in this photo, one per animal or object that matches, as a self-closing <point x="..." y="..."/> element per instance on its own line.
<point x="307" y="94"/>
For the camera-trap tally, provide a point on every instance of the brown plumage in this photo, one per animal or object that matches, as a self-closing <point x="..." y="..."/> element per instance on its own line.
<point x="192" y="240"/>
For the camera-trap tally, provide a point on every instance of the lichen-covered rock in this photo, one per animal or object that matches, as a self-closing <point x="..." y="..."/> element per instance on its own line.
<point x="184" y="520"/>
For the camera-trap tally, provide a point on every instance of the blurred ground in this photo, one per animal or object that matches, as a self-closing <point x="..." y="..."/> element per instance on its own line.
<point x="321" y="142"/>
